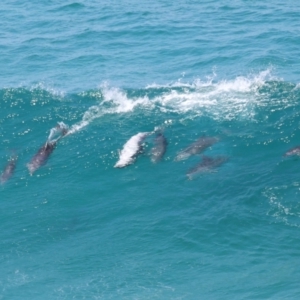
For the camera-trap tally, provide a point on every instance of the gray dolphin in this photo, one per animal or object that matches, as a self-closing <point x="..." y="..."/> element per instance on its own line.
<point x="206" y="165"/>
<point x="160" y="147"/>
<point x="41" y="156"/>
<point x="8" y="170"/>
<point x="197" y="147"/>
<point x="293" y="151"/>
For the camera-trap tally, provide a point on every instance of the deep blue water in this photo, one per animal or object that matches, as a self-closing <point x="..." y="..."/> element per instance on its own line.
<point x="78" y="228"/>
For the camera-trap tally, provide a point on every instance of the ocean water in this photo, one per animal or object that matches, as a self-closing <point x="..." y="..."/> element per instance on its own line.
<point x="78" y="228"/>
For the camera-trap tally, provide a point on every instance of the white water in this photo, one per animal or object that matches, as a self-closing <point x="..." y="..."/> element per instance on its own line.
<point x="226" y="99"/>
<point x="131" y="149"/>
<point x="57" y="132"/>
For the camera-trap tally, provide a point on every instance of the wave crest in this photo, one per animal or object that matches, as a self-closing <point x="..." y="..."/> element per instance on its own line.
<point x="227" y="99"/>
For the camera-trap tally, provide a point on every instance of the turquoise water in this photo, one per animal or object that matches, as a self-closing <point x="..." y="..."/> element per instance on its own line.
<point x="78" y="228"/>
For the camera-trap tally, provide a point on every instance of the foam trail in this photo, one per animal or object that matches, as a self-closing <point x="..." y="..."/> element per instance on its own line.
<point x="115" y="102"/>
<point x="57" y="132"/>
<point x="121" y="103"/>
<point x="76" y="127"/>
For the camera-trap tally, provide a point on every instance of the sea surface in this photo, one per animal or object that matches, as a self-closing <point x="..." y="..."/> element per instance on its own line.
<point x="79" y="228"/>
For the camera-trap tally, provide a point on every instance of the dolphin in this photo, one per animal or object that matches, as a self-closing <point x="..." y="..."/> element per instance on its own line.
<point x="160" y="147"/>
<point x="8" y="170"/>
<point x="130" y="150"/>
<point x="197" y="147"/>
<point x="293" y="151"/>
<point x="206" y="165"/>
<point x="41" y="157"/>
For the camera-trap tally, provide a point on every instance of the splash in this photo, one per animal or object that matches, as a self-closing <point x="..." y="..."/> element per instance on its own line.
<point x="57" y="132"/>
<point x="115" y="101"/>
<point x="226" y="99"/>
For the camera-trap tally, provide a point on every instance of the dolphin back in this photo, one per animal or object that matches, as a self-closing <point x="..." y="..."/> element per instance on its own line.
<point x="159" y="148"/>
<point x="197" y="147"/>
<point x="293" y="151"/>
<point x="41" y="157"/>
<point x="131" y="149"/>
<point x="206" y="165"/>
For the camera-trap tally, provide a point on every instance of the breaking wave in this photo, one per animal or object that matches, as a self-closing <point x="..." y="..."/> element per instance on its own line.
<point x="226" y="99"/>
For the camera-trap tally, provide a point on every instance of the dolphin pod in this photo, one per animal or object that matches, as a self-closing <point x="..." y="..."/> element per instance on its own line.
<point x="131" y="150"/>
<point x="207" y="163"/>
<point x="42" y="155"/>
<point x="133" y="147"/>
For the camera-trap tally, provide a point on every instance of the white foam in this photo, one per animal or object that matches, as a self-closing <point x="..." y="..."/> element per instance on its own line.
<point x="130" y="150"/>
<point x="120" y="102"/>
<point x="226" y="99"/>
<point x="220" y="100"/>
<point x="92" y="113"/>
<point x="115" y="101"/>
<point x="57" y="132"/>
